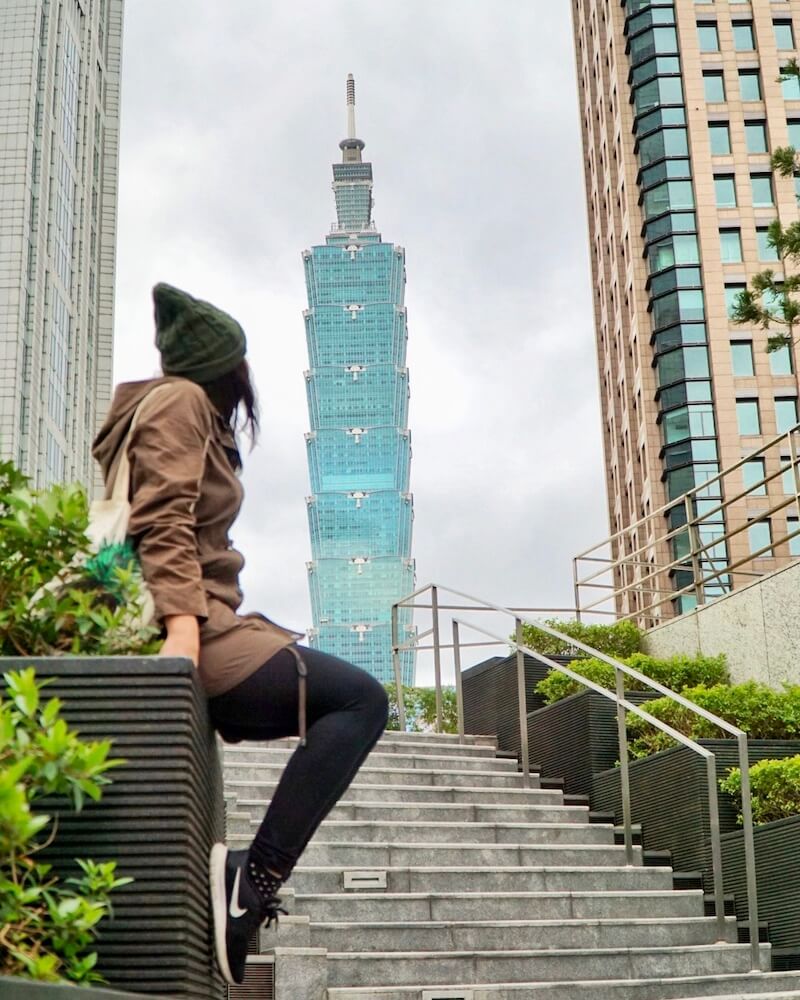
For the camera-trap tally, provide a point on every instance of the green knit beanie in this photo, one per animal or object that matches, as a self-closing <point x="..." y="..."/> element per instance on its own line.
<point x="196" y="340"/>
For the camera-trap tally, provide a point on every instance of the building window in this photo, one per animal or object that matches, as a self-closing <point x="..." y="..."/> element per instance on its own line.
<point x="732" y="293"/>
<point x="742" y="358"/>
<point x="761" y="185"/>
<point x="720" y="137"/>
<point x="752" y="473"/>
<point x="780" y="362"/>
<point x="708" y="36"/>
<point x="790" y="86"/>
<point x="725" y="190"/>
<point x="747" y="417"/>
<point x="793" y="128"/>
<point x="785" y="413"/>
<point x="765" y="249"/>
<point x="730" y="246"/>
<point x="755" y="134"/>
<point x="743" y="37"/>
<point x="750" y="84"/>
<point x="714" y="86"/>
<point x="759" y="534"/>
<point x="784" y="36"/>
<point x="792" y="525"/>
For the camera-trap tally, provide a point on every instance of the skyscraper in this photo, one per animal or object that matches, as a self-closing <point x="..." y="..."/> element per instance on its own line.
<point x="681" y="103"/>
<point x="359" y="447"/>
<point x="59" y="137"/>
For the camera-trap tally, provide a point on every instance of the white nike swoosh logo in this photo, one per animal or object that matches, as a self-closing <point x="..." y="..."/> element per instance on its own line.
<point x="235" y="910"/>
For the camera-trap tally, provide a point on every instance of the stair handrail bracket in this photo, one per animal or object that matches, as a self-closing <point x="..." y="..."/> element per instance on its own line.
<point x="621" y="672"/>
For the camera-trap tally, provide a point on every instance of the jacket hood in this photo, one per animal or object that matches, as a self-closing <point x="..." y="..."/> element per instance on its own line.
<point x="127" y="397"/>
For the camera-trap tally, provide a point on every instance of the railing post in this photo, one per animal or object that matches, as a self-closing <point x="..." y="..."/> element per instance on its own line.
<point x="523" y="707"/>
<point x="694" y="546"/>
<point x="622" y="731"/>
<point x="576" y="589"/>
<point x="398" y="676"/>
<point x="437" y="659"/>
<point x="716" y="846"/>
<point x="459" y="685"/>
<point x="749" y="852"/>
<point x="795" y="470"/>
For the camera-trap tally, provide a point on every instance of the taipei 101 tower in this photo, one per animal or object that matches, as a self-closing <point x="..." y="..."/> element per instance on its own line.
<point x="360" y="511"/>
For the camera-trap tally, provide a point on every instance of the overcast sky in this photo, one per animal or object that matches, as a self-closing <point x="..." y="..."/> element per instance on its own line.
<point x="231" y="118"/>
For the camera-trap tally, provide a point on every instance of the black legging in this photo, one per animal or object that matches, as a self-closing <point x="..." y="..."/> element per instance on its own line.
<point x="347" y="712"/>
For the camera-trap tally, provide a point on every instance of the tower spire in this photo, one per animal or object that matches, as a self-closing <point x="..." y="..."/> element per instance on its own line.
<point x="351" y="146"/>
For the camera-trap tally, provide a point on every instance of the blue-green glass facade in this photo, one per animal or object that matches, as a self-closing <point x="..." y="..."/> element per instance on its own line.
<point x="360" y="510"/>
<point x="689" y="453"/>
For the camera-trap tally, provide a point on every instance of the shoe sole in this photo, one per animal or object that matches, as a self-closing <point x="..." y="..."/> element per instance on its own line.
<point x="219" y="906"/>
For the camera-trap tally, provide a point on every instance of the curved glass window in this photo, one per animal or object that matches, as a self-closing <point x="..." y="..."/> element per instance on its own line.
<point x="690" y="451"/>
<point x="673" y="250"/>
<point x="634" y="6"/>
<point x="680" y="481"/>
<point x="669" y="196"/>
<point x="665" y="170"/>
<point x="665" y="142"/>
<point x="661" y="118"/>
<point x="676" y="222"/>
<point x="676" y="336"/>
<point x="658" y="66"/>
<point x="657" y="41"/>
<point x="678" y="277"/>
<point x="689" y="421"/>
<point x="684" y="392"/>
<point x="686" y="362"/>
<point x="662" y="90"/>
<point x="649" y="18"/>
<point x="682" y="306"/>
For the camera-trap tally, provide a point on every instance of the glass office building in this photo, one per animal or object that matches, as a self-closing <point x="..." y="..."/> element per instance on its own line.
<point x="360" y="510"/>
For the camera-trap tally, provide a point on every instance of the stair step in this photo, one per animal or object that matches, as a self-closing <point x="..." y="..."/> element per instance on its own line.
<point x="401" y="854"/>
<point x="414" y="968"/>
<point x="442" y="812"/>
<point x="379" y="759"/>
<point x="252" y="751"/>
<point x="463" y="834"/>
<point x="491" y="935"/>
<point x="269" y="774"/>
<point x="447" y="906"/>
<point x="309" y="879"/>
<point x="726" y="987"/>
<point x="366" y="792"/>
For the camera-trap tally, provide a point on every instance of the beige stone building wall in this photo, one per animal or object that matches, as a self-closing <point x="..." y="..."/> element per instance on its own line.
<point x="620" y="269"/>
<point x="59" y="138"/>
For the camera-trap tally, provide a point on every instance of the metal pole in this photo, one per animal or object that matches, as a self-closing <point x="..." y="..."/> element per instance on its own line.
<point x="576" y="589"/>
<point x="694" y="545"/>
<point x="795" y="470"/>
<point x="459" y="685"/>
<point x="523" y="708"/>
<point x="716" y="846"/>
<point x="749" y="853"/>
<point x="398" y="676"/>
<point x="622" y="733"/>
<point x="437" y="660"/>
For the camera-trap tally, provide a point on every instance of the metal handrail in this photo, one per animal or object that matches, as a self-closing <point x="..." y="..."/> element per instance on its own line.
<point x="643" y="559"/>
<point x="621" y="671"/>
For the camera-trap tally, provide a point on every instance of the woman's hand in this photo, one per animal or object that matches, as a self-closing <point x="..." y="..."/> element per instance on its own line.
<point x="183" y="637"/>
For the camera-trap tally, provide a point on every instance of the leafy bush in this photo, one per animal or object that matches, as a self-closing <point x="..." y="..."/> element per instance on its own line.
<point x="41" y="533"/>
<point x="676" y="673"/>
<point x="47" y="926"/>
<point x="760" y="711"/>
<point x="620" y="639"/>
<point x="774" y="789"/>
<point x="420" y="709"/>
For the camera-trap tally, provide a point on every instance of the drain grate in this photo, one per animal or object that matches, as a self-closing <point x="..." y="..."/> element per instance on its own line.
<point x="447" y="994"/>
<point x="366" y="879"/>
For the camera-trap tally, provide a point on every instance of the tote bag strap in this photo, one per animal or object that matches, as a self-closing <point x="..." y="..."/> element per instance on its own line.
<point x="119" y="488"/>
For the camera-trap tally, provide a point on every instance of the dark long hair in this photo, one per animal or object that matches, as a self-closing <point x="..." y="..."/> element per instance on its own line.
<point x="235" y="398"/>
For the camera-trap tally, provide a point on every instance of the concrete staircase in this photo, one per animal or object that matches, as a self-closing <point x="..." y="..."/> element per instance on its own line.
<point x="439" y="877"/>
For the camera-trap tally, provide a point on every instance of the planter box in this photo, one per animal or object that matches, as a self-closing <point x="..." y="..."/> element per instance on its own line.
<point x="576" y="738"/>
<point x="491" y="706"/>
<point x="158" y="818"/>
<point x="669" y="797"/>
<point x="24" y="989"/>
<point x="778" y="878"/>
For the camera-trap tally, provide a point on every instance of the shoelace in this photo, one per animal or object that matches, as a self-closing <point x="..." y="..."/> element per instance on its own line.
<point x="271" y="910"/>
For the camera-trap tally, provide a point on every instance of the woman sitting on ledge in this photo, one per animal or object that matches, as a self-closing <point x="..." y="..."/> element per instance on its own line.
<point x="185" y="495"/>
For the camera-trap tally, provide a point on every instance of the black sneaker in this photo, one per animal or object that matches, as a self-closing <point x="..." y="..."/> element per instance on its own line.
<point x="238" y="910"/>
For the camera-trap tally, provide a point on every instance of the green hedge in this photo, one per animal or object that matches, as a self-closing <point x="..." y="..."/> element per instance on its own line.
<point x="760" y="711"/>
<point x="620" y="639"/>
<point x="774" y="788"/>
<point x="676" y="673"/>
